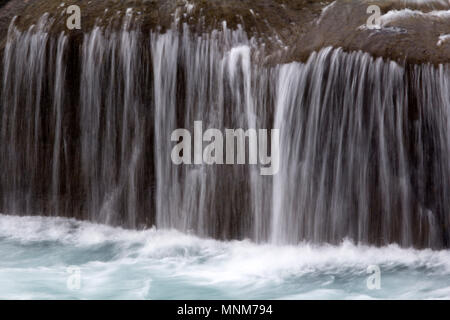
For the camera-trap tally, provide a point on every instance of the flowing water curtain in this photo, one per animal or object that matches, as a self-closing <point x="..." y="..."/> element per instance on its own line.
<point x="26" y="136"/>
<point x="364" y="141"/>
<point x="112" y="124"/>
<point x="60" y="139"/>
<point x="431" y="131"/>
<point x="353" y="153"/>
<point x="206" y="78"/>
<point x="326" y="147"/>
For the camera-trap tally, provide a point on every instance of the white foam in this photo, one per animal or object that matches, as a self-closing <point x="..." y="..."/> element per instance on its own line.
<point x="234" y="265"/>
<point x="396" y="15"/>
<point x="443" y="38"/>
<point x="67" y="231"/>
<point x="426" y="2"/>
<point x="228" y="256"/>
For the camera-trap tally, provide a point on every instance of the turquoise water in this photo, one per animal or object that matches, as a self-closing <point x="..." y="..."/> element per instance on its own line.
<point x="114" y="263"/>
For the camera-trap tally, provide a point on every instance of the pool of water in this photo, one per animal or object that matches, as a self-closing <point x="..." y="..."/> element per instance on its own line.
<point x="58" y="258"/>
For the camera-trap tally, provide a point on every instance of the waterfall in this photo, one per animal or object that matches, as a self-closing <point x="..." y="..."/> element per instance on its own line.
<point x="364" y="143"/>
<point x="85" y="132"/>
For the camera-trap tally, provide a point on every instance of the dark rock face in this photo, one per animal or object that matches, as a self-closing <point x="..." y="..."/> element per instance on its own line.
<point x="277" y="24"/>
<point x="408" y="32"/>
<point x="289" y="29"/>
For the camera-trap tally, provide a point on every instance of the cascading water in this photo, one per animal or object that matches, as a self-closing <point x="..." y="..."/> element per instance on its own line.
<point x="363" y="140"/>
<point x="86" y="133"/>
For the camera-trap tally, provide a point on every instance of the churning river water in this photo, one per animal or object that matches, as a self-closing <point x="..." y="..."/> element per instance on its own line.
<point x="41" y="254"/>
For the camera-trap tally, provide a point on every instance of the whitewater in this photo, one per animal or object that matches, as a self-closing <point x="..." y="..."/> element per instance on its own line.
<point x="116" y="263"/>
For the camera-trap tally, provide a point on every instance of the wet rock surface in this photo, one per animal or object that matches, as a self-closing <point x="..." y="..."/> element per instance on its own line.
<point x="407" y="32"/>
<point x="412" y="31"/>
